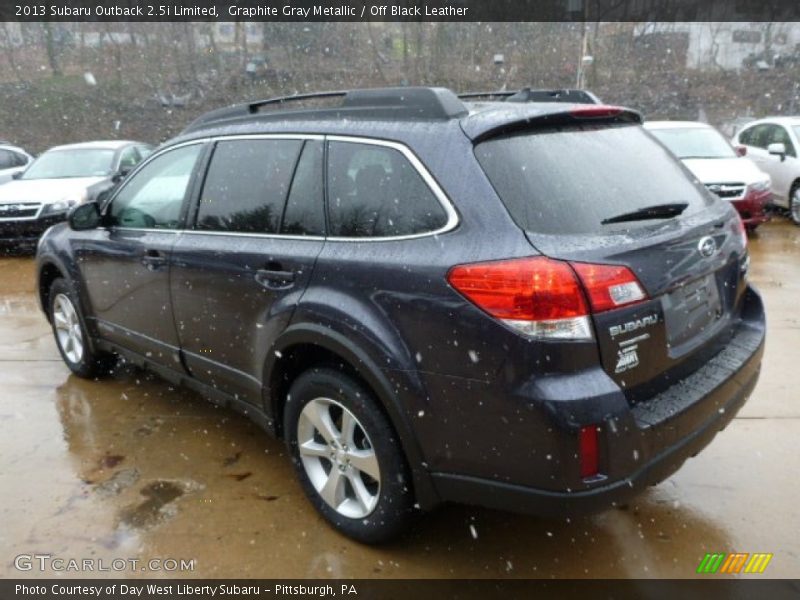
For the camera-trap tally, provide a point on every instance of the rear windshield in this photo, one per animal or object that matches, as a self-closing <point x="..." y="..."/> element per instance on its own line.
<point x="568" y="180"/>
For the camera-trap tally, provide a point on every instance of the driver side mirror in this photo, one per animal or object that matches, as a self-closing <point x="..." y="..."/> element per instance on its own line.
<point x="17" y="175"/>
<point x="84" y="216"/>
<point x="122" y="173"/>
<point x="740" y="150"/>
<point x="778" y="149"/>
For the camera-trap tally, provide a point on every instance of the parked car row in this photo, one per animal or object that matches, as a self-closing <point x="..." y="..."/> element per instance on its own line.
<point x="35" y="194"/>
<point x="757" y="169"/>
<point x="723" y="170"/>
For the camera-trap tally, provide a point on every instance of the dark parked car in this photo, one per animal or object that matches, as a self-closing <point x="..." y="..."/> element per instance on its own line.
<point x="60" y="178"/>
<point x="521" y="305"/>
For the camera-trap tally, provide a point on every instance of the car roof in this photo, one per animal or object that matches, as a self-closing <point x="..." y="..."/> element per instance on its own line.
<point x="778" y="120"/>
<point x="676" y="125"/>
<point x="385" y="112"/>
<point x="12" y="147"/>
<point x="96" y="145"/>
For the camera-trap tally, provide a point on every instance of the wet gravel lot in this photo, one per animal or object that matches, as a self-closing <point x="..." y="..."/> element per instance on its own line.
<point x="130" y="467"/>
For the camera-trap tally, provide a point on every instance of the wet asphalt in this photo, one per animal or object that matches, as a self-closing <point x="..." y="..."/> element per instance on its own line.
<point x="130" y="467"/>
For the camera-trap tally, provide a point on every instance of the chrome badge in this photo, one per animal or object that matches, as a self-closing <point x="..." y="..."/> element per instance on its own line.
<point x="707" y="246"/>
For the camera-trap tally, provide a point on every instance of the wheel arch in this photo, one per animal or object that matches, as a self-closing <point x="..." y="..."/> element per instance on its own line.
<point x="304" y="346"/>
<point x="48" y="273"/>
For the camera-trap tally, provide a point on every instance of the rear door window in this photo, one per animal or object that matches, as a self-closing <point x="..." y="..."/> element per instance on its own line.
<point x="568" y="180"/>
<point x="374" y="191"/>
<point x="247" y="184"/>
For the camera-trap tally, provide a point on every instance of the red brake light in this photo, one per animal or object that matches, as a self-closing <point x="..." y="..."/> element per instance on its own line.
<point x="543" y="297"/>
<point x="589" y="451"/>
<point x="529" y="289"/>
<point x="595" y="111"/>
<point x="609" y="286"/>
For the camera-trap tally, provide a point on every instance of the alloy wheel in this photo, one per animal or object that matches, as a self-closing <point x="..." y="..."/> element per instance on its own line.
<point x="338" y="458"/>
<point x="68" y="328"/>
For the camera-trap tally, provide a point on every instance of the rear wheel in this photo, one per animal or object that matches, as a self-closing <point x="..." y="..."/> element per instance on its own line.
<point x="347" y="456"/>
<point x="794" y="203"/>
<point x="72" y="338"/>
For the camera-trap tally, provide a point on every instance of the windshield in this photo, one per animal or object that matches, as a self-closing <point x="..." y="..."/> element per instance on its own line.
<point x="695" y="142"/>
<point x="569" y="180"/>
<point x="58" y="164"/>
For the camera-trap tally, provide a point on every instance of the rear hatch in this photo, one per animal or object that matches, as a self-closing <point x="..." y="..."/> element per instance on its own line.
<point x="605" y="193"/>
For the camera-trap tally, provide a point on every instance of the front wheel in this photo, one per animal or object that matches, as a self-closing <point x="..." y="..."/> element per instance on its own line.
<point x="794" y="204"/>
<point x="72" y="338"/>
<point x="347" y="456"/>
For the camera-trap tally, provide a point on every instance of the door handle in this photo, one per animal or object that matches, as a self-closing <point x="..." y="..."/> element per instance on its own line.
<point x="275" y="279"/>
<point x="153" y="259"/>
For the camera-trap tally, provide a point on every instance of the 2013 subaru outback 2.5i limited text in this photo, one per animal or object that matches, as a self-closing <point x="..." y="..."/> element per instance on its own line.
<point x="529" y="306"/>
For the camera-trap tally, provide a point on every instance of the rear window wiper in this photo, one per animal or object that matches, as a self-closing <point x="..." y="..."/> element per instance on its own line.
<point x="657" y="211"/>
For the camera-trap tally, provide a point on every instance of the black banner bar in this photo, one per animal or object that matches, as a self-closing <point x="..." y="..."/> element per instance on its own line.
<point x="400" y="10"/>
<point x="480" y="589"/>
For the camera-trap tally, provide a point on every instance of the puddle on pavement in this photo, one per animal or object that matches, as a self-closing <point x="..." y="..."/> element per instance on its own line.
<point x="160" y="495"/>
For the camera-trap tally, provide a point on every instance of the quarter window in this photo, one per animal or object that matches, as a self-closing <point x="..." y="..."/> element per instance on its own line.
<point x="247" y="184"/>
<point x="153" y="198"/>
<point x="374" y="191"/>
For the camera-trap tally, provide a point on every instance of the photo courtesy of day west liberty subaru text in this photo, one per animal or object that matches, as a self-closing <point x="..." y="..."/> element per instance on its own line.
<point x="398" y="10"/>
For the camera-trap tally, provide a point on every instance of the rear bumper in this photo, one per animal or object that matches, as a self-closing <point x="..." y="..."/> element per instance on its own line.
<point x="27" y="232"/>
<point x="648" y="444"/>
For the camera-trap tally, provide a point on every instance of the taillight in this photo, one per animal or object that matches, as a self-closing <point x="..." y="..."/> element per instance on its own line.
<point x="544" y="298"/>
<point x="609" y="286"/>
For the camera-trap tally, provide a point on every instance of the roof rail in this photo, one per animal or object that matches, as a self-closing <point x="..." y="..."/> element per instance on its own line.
<point x="403" y="102"/>
<point x="531" y="95"/>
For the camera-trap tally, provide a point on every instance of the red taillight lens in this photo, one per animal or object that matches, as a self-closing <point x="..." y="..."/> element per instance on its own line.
<point x="589" y="451"/>
<point x="526" y="289"/>
<point x="544" y="298"/>
<point x="609" y="286"/>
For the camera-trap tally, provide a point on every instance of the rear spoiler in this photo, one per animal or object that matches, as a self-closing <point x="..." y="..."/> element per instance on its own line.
<point x="483" y="125"/>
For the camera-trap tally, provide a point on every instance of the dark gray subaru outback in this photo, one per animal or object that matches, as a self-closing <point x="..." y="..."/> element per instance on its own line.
<point x="529" y="306"/>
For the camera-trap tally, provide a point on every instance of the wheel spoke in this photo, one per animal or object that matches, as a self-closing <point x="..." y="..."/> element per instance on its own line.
<point x="312" y="448"/>
<point x="363" y="497"/>
<point x="317" y="412"/>
<point x="348" y="428"/>
<point x="60" y="320"/>
<point x="366" y="462"/>
<point x="333" y="490"/>
<point x="77" y="348"/>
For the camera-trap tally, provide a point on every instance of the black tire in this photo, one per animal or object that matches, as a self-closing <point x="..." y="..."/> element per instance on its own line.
<point x="88" y="363"/>
<point x="794" y="203"/>
<point x="394" y="498"/>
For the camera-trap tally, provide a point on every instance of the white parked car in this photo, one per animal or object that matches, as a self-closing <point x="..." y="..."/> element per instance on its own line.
<point x="12" y="160"/>
<point x="58" y="179"/>
<point x="773" y="143"/>
<point x="718" y="166"/>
